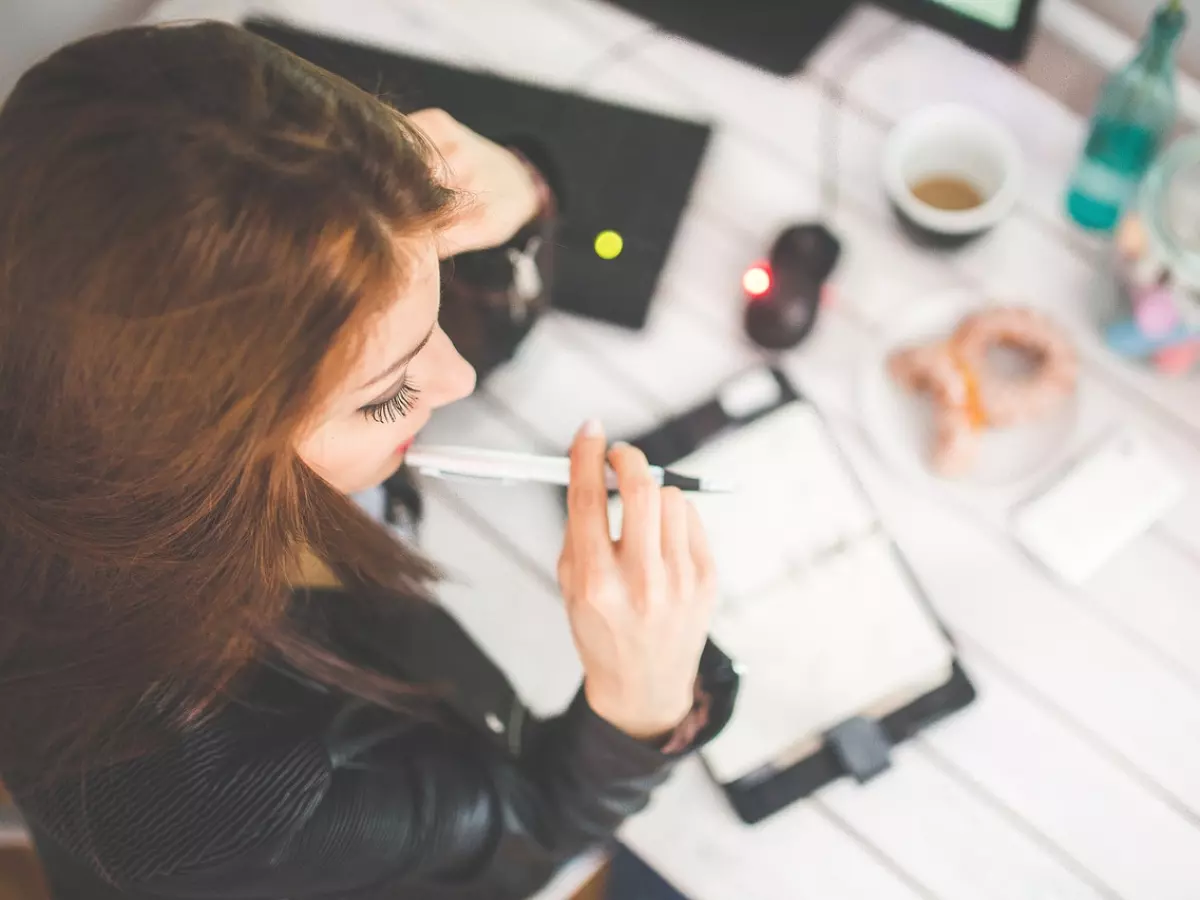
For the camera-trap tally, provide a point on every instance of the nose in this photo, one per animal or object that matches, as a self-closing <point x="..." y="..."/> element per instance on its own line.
<point x="464" y="377"/>
<point x="456" y="376"/>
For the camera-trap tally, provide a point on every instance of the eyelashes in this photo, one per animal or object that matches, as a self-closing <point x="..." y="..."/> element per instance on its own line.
<point x="397" y="406"/>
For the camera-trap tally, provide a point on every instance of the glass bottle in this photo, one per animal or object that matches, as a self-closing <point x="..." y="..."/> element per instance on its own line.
<point x="1136" y="113"/>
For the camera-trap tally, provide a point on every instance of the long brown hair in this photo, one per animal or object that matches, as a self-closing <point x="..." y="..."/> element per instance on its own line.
<point x="195" y="227"/>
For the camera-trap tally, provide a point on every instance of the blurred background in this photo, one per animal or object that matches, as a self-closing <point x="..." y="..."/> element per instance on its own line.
<point x="1092" y="28"/>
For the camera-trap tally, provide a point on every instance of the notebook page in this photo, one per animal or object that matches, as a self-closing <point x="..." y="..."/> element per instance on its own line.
<point x="849" y="637"/>
<point x="794" y="499"/>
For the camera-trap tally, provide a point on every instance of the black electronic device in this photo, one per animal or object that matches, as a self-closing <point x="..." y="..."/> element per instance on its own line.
<point x="780" y="35"/>
<point x="776" y="35"/>
<point x="784" y="296"/>
<point x="622" y="176"/>
<point x="1001" y="28"/>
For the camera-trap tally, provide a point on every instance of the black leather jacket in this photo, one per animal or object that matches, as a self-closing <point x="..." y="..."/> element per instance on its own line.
<point x="295" y="792"/>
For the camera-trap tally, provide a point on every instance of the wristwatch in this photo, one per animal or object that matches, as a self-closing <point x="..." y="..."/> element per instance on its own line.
<point x="526" y="285"/>
<point x="492" y="298"/>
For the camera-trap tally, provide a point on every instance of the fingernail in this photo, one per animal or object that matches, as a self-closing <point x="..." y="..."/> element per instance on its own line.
<point x="592" y="428"/>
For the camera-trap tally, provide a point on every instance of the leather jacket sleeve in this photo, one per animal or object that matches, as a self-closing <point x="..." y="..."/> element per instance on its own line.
<point x="444" y="809"/>
<point x="443" y="813"/>
<point x="403" y="806"/>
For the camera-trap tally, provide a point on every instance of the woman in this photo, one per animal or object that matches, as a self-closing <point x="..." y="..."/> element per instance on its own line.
<point x="219" y="291"/>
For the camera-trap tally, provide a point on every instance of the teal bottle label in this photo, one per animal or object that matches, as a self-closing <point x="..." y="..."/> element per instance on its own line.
<point x="1116" y="159"/>
<point x="1103" y="185"/>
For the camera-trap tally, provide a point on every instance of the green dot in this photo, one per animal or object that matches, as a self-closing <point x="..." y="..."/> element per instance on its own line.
<point x="609" y="245"/>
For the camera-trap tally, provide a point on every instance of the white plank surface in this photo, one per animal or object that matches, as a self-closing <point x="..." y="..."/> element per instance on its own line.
<point x="1075" y="774"/>
<point x="1114" y="687"/>
<point x="1097" y="815"/>
<point x="802" y="852"/>
<point x="914" y="812"/>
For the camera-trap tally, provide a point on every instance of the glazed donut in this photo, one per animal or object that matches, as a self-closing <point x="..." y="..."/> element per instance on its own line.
<point x="932" y="371"/>
<point x="968" y="397"/>
<point x="1016" y="401"/>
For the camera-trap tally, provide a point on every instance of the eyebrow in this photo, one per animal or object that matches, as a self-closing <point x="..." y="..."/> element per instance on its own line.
<point x="402" y="361"/>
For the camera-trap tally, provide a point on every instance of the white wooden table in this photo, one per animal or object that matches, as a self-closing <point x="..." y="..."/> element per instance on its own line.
<point x="1077" y="773"/>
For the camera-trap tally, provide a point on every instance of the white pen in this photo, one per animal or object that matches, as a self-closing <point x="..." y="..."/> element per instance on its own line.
<point x="501" y="466"/>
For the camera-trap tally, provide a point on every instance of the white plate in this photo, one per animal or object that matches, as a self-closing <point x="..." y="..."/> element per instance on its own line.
<point x="901" y="423"/>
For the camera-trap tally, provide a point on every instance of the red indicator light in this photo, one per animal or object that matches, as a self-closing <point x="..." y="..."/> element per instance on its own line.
<point x="757" y="281"/>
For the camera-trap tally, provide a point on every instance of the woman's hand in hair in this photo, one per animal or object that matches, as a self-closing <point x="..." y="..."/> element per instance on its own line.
<point x="502" y="193"/>
<point x="640" y="607"/>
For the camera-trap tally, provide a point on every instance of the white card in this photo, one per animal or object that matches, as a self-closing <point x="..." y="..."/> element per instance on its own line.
<point x="1101" y="504"/>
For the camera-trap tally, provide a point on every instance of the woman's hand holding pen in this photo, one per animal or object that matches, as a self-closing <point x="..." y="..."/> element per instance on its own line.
<point x="640" y="608"/>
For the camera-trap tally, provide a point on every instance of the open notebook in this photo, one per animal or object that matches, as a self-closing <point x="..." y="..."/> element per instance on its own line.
<point x="816" y="605"/>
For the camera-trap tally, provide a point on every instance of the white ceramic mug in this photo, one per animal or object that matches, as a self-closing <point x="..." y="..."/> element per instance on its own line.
<point x="952" y="141"/>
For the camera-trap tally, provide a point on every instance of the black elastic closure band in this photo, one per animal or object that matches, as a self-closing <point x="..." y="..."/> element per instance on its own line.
<point x="862" y="747"/>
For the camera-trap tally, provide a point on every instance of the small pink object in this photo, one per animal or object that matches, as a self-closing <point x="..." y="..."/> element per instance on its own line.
<point x="1154" y="311"/>
<point x="1179" y="359"/>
